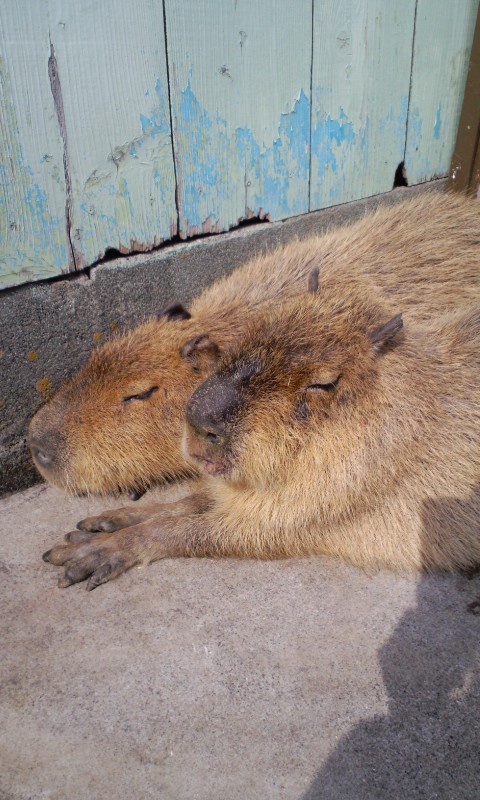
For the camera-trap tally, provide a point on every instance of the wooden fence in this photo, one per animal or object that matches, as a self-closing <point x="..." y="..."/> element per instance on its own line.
<point x="126" y="124"/>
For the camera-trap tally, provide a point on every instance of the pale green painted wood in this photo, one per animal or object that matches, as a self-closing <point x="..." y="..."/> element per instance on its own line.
<point x="240" y="78"/>
<point x="112" y="70"/>
<point x="361" y="75"/>
<point x="33" y="238"/>
<point x="443" y="40"/>
<point x="86" y="144"/>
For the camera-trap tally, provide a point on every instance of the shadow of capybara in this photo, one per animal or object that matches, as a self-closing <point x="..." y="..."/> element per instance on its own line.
<point x="117" y="425"/>
<point x="328" y="430"/>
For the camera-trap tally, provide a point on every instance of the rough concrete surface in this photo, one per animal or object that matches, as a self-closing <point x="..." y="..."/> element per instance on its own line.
<point x="228" y="680"/>
<point x="48" y="329"/>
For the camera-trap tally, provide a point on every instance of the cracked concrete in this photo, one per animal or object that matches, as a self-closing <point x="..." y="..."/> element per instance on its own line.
<point x="304" y="679"/>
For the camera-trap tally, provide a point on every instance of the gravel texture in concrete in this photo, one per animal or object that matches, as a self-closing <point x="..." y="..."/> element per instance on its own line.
<point x="48" y="329"/>
<point x="229" y="680"/>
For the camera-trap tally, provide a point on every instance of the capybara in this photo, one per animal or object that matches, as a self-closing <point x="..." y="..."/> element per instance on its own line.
<point x="117" y="425"/>
<point x="333" y="428"/>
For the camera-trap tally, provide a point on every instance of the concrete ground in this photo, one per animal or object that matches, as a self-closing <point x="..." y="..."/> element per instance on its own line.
<point x="226" y="680"/>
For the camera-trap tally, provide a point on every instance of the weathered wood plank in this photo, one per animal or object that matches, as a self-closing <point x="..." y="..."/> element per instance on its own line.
<point x="240" y="78"/>
<point x="443" y="39"/>
<point x="33" y="234"/>
<point x="112" y="79"/>
<point x="360" y="84"/>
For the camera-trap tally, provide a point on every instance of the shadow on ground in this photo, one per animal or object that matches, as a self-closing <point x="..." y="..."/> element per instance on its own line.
<point x="428" y="744"/>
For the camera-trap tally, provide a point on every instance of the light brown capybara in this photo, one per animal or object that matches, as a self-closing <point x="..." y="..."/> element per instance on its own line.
<point x="117" y="424"/>
<point x="333" y="428"/>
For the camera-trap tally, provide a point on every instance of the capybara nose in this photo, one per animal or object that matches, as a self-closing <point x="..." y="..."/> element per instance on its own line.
<point x="44" y="450"/>
<point x="211" y="409"/>
<point x="214" y="438"/>
<point x="205" y="426"/>
<point x="39" y="455"/>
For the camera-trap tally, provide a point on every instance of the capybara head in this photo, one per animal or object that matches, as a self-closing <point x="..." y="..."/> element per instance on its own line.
<point x="117" y="424"/>
<point x="311" y="366"/>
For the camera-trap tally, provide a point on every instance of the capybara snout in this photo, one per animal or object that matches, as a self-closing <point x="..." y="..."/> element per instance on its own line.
<point x="96" y="434"/>
<point x="47" y="443"/>
<point x="211" y="412"/>
<point x="45" y="450"/>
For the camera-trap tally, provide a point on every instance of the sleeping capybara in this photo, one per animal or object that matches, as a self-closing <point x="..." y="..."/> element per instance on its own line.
<point x="117" y="424"/>
<point x="333" y="428"/>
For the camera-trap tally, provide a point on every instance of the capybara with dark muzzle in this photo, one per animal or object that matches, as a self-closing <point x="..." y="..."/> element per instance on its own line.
<point x="117" y="425"/>
<point x="333" y="428"/>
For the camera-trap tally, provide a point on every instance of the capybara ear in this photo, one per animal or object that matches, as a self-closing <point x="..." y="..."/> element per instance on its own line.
<point x="313" y="280"/>
<point x="380" y="336"/>
<point x="175" y="312"/>
<point x="201" y="348"/>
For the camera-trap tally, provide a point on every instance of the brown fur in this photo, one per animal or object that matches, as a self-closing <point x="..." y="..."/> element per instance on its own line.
<point x="383" y="470"/>
<point x="336" y="432"/>
<point x="421" y="254"/>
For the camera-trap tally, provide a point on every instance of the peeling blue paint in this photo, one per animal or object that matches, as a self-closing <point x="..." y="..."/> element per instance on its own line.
<point x="277" y="169"/>
<point x="351" y="159"/>
<point x="415" y="128"/>
<point x="224" y="172"/>
<point x="438" y="123"/>
<point x="364" y="138"/>
<point x="111" y="201"/>
<point x="330" y="134"/>
<point x="47" y="231"/>
<point x="402" y="117"/>
<point x="416" y="144"/>
<point x="158" y="122"/>
<point x="274" y="177"/>
<point x="199" y="167"/>
<point x="33" y="243"/>
<point x="399" y="120"/>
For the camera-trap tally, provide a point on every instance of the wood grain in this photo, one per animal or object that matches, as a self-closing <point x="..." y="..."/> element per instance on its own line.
<point x="443" y="39"/>
<point x="33" y="233"/>
<point x="240" y="80"/>
<point x="361" y="75"/>
<point x="113" y="81"/>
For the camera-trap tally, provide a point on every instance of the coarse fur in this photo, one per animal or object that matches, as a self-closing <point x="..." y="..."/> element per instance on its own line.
<point x="331" y="429"/>
<point x="422" y="255"/>
<point x="360" y="448"/>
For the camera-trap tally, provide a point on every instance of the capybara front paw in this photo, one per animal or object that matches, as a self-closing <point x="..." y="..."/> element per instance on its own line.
<point x="97" y="561"/>
<point x="110" y="521"/>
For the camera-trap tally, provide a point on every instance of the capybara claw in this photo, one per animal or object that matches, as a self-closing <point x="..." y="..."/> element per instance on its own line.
<point x="106" y="572"/>
<point x="77" y="537"/>
<point x="100" y="524"/>
<point x="64" y="582"/>
<point x="111" y="521"/>
<point x="54" y="556"/>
